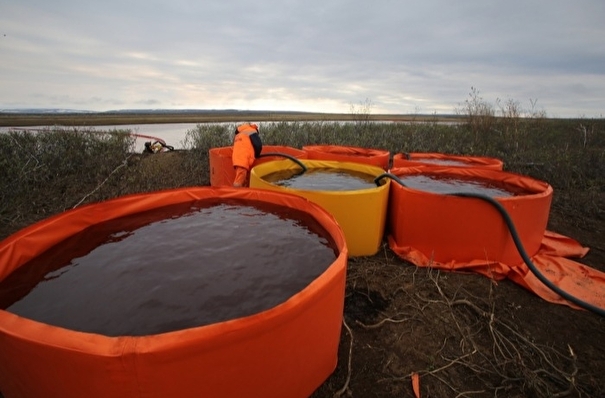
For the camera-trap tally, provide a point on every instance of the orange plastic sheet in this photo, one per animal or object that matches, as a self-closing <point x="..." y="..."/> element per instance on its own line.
<point x="372" y="157"/>
<point x="468" y="234"/>
<point x="286" y="351"/>
<point x="415" y="159"/>
<point x="222" y="173"/>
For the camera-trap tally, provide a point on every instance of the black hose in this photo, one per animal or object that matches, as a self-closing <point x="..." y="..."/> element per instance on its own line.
<point x="292" y="158"/>
<point x="513" y="231"/>
<point x="391" y="176"/>
<point x="523" y="253"/>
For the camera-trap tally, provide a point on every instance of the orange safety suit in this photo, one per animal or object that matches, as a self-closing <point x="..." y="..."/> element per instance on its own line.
<point x="244" y="153"/>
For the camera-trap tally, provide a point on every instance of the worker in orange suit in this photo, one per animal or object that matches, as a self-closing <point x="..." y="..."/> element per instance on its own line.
<point x="247" y="146"/>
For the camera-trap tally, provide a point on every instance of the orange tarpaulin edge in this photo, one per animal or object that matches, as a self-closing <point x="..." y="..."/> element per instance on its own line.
<point x="416" y="384"/>
<point x="552" y="260"/>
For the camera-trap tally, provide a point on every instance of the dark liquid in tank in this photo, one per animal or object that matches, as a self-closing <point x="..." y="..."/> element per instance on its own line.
<point x="172" y="268"/>
<point x="448" y="184"/>
<point x="322" y="180"/>
<point x="441" y="162"/>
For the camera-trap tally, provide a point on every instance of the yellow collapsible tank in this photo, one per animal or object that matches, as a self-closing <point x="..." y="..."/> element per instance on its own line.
<point x="360" y="213"/>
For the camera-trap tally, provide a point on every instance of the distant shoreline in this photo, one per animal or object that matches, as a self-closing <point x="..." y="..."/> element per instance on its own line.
<point x="22" y="119"/>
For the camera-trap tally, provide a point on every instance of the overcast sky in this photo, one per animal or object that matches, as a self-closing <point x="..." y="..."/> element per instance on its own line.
<point x="328" y="56"/>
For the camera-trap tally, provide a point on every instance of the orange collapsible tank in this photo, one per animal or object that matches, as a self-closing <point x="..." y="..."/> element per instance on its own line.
<point x="448" y="229"/>
<point x="372" y="157"/>
<point x="415" y="159"/>
<point x="222" y="173"/>
<point x="285" y="351"/>
<point x="454" y="233"/>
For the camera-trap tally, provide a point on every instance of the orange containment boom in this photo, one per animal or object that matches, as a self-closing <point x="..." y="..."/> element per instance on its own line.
<point x="286" y="351"/>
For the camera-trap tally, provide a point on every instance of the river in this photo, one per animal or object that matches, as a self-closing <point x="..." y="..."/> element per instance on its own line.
<point x="172" y="134"/>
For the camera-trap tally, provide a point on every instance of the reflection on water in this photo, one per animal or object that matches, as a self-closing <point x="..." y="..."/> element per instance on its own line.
<point x="322" y="179"/>
<point x="172" y="268"/>
<point x="449" y="184"/>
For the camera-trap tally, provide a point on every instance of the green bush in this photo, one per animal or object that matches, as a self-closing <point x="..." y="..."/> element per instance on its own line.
<point x="48" y="172"/>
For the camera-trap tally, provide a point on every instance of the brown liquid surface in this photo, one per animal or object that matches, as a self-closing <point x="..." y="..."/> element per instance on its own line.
<point x="447" y="185"/>
<point x="322" y="180"/>
<point x="441" y="162"/>
<point x="172" y="268"/>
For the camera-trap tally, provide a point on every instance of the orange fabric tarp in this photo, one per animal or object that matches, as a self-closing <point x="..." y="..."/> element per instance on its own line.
<point x="222" y="173"/>
<point x="415" y="159"/>
<point x="286" y="351"/>
<point x="468" y="234"/>
<point x="372" y="157"/>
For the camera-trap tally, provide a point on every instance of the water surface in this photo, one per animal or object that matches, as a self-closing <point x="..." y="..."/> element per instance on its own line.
<point x="171" y="268"/>
<point x="322" y="179"/>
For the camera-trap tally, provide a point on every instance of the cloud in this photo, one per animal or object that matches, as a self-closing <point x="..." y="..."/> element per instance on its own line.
<point x="302" y="55"/>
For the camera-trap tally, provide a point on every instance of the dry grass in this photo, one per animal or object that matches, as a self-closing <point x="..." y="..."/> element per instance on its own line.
<point x="48" y="172"/>
<point x="412" y="321"/>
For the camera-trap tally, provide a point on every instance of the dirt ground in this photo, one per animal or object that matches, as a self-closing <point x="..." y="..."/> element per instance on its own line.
<point x="462" y="334"/>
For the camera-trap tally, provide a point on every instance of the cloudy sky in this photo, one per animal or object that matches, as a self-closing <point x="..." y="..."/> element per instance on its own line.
<point x="306" y="55"/>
